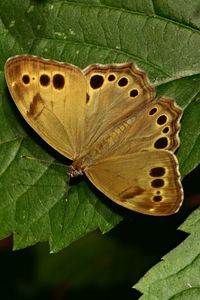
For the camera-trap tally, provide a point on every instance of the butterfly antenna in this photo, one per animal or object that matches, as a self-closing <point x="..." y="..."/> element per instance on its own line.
<point x="44" y="161"/>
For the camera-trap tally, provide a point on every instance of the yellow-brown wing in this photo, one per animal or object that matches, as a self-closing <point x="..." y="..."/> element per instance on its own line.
<point x="155" y="127"/>
<point x="135" y="136"/>
<point x="51" y="96"/>
<point x="114" y="92"/>
<point x="147" y="182"/>
<point x="118" y="123"/>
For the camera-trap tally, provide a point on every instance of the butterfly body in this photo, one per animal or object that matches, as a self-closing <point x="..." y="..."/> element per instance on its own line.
<point x="107" y="120"/>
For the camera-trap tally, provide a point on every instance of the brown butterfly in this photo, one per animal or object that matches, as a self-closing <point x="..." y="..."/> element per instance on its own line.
<point x="107" y="120"/>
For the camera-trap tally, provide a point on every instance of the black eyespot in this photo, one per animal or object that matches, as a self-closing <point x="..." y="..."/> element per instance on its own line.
<point x="161" y="143"/>
<point x="157" y="172"/>
<point x="26" y="79"/>
<point x="111" y="77"/>
<point x="133" y="93"/>
<point x="58" y="81"/>
<point x="157" y="183"/>
<point x="96" y="81"/>
<point x="157" y="198"/>
<point x="153" y="111"/>
<point x="165" y="130"/>
<point x="162" y="120"/>
<point x="123" y="81"/>
<point x="44" y="80"/>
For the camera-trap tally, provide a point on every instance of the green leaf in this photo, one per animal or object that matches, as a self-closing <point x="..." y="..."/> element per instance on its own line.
<point x="160" y="39"/>
<point x="35" y="203"/>
<point x="177" y="276"/>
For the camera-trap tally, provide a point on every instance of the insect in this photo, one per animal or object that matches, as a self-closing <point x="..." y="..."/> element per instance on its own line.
<point x="107" y="120"/>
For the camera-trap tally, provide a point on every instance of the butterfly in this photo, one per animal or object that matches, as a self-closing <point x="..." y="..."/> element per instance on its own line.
<point x="107" y="120"/>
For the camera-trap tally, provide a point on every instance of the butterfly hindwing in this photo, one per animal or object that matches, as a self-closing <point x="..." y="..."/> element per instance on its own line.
<point x="147" y="182"/>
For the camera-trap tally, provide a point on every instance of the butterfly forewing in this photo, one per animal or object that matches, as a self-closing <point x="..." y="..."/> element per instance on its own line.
<point x="51" y="96"/>
<point x="115" y="91"/>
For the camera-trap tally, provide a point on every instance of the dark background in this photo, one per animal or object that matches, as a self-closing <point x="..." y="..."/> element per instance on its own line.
<point x="97" y="266"/>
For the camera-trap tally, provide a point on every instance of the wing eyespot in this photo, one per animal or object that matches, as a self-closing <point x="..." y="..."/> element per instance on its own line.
<point x="123" y="82"/>
<point x="161" y="120"/>
<point x="134" y="93"/>
<point x="157" y="198"/>
<point x="96" y="81"/>
<point x="157" y="183"/>
<point x="44" y="80"/>
<point x="26" y="79"/>
<point x="153" y="111"/>
<point x="165" y="130"/>
<point x="161" y="143"/>
<point x="58" y="81"/>
<point x="157" y="172"/>
<point x="111" y="77"/>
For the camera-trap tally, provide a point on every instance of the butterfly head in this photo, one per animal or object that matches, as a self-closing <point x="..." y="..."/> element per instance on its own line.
<point x="73" y="172"/>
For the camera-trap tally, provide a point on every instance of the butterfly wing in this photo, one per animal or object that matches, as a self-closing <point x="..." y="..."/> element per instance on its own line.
<point x="147" y="182"/>
<point x="155" y="127"/>
<point x="133" y="142"/>
<point x="121" y="105"/>
<point x="123" y="116"/>
<point x="51" y="96"/>
<point x="114" y="91"/>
